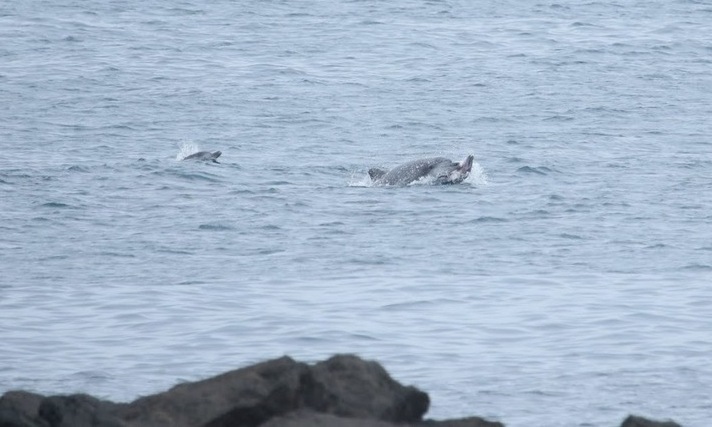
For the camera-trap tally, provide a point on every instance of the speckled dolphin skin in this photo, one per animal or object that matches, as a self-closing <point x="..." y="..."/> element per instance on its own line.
<point x="442" y="170"/>
<point x="204" y="155"/>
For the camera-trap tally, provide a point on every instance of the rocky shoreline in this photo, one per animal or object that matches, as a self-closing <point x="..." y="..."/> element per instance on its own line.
<point x="344" y="390"/>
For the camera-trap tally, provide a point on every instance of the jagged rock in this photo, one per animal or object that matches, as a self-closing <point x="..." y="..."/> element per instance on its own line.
<point x="315" y="419"/>
<point x="306" y="418"/>
<point x="343" y="391"/>
<point x="243" y="397"/>
<point x="350" y="387"/>
<point x="462" y="422"/>
<point x="20" y="409"/>
<point x="78" y="410"/>
<point x="345" y="386"/>
<point x="635" y="421"/>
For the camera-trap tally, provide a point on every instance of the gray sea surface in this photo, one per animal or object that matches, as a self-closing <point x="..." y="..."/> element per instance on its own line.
<point x="566" y="282"/>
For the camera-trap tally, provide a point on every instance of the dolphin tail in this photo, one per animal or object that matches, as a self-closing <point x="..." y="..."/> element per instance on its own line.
<point x="215" y="155"/>
<point x="466" y="165"/>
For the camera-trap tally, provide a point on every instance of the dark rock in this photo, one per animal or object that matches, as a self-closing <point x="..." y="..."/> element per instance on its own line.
<point x="280" y="401"/>
<point x="78" y="410"/>
<point x="348" y="386"/>
<point x="343" y="391"/>
<point x="239" y="398"/>
<point x="20" y="409"/>
<point x="306" y="418"/>
<point x="635" y="421"/>
<point x="462" y="422"/>
<point x="343" y="385"/>
<point x="14" y="418"/>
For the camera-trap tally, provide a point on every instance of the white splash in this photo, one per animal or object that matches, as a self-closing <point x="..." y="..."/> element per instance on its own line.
<point x="186" y="149"/>
<point x="358" y="180"/>
<point x="478" y="176"/>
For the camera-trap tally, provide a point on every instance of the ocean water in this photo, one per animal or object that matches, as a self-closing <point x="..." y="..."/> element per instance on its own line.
<point x="566" y="282"/>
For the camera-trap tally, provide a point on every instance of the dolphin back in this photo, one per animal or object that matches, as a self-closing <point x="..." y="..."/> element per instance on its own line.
<point x="204" y="155"/>
<point x="411" y="171"/>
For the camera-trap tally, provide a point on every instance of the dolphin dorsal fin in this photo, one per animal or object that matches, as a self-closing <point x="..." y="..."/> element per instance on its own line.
<point x="376" y="173"/>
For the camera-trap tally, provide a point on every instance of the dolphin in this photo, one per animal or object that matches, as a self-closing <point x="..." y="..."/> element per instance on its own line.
<point x="204" y="155"/>
<point x="442" y="170"/>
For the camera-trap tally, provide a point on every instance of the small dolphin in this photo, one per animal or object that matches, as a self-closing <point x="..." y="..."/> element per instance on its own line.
<point x="204" y="155"/>
<point x="442" y="170"/>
